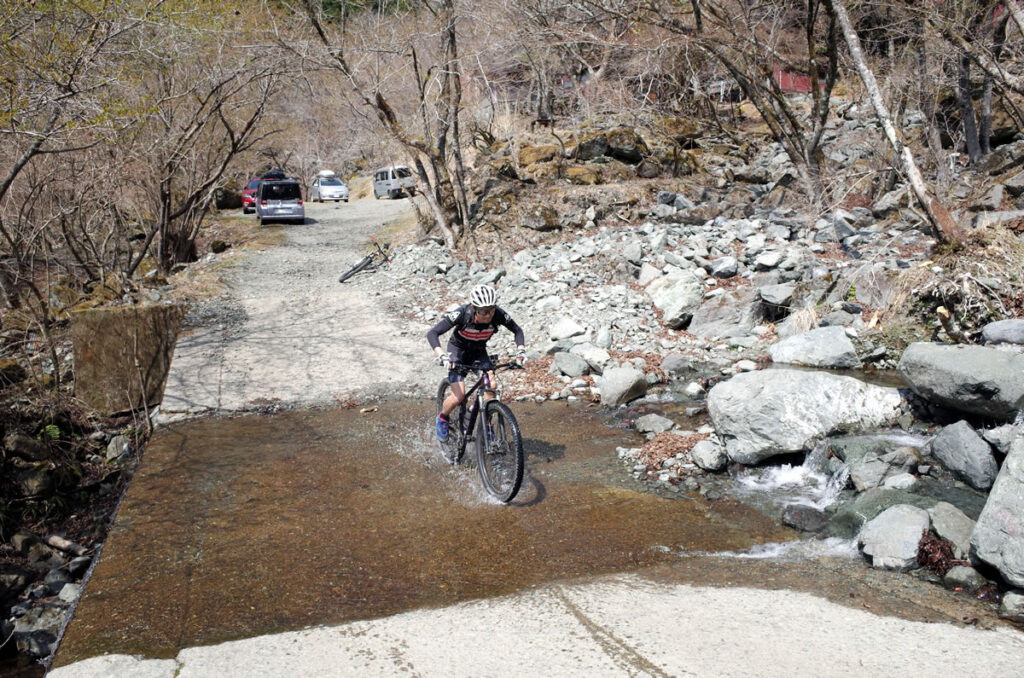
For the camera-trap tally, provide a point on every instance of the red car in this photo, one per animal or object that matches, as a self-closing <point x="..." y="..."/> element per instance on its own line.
<point x="253" y="187"/>
<point x="249" y="196"/>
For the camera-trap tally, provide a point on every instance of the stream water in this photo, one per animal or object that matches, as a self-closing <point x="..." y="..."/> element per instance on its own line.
<point x="235" y="527"/>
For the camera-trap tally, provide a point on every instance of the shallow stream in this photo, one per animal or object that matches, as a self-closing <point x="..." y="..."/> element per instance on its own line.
<point x="235" y="527"/>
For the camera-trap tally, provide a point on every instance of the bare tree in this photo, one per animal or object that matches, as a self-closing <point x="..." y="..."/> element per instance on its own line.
<point x="944" y="227"/>
<point x="746" y="39"/>
<point x="430" y="133"/>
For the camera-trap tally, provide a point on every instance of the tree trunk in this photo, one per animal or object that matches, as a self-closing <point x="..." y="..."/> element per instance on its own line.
<point x="944" y="227"/>
<point x="967" y="120"/>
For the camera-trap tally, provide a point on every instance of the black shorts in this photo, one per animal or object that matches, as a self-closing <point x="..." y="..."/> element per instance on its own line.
<point x="478" y="358"/>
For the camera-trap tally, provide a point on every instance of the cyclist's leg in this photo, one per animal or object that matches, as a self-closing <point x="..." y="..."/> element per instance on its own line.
<point x="456" y="381"/>
<point x="458" y="392"/>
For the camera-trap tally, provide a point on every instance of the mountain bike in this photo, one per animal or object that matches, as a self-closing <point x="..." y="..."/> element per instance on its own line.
<point x="491" y="426"/>
<point x="375" y="259"/>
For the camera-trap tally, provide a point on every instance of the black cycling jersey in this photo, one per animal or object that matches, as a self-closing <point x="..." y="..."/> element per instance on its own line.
<point x="469" y="335"/>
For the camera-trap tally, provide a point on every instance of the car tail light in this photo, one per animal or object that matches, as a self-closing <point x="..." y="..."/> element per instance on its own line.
<point x="299" y="202"/>
<point x="263" y="202"/>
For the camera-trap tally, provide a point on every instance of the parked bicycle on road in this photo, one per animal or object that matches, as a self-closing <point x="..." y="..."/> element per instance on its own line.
<point x="490" y="425"/>
<point x="374" y="260"/>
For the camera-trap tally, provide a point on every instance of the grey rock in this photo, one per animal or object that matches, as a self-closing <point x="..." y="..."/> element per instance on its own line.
<point x="569" y="365"/>
<point x="622" y="384"/>
<point x="654" y="423"/>
<point x="965" y="578"/>
<point x="804" y="518"/>
<point x="953" y="525"/>
<point x="822" y="347"/>
<point x="769" y="412"/>
<point x="1001" y="437"/>
<point x="966" y="454"/>
<point x="724" y="267"/>
<point x="974" y="379"/>
<point x="849" y="517"/>
<point x="1012" y="605"/>
<point x="998" y="537"/>
<point x="676" y="365"/>
<point x="677" y="295"/>
<point x="891" y="538"/>
<point x="1010" y="331"/>
<point x="780" y="295"/>
<point x="709" y="456"/>
<point x="734" y="313"/>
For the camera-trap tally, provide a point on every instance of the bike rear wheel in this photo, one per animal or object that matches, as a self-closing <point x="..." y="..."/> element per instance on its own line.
<point x="453" y="448"/>
<point x="355" y="269"/>
<point x="499" y="448"/>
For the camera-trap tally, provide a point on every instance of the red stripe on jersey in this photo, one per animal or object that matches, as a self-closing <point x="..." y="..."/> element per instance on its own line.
<point x="476" y="335"/>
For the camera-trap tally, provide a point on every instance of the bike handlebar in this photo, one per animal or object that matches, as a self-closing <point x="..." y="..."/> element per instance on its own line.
<point x="496" y="366"/>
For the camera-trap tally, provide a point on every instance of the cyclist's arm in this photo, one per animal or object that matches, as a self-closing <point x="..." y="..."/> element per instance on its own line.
<point x="514" y="327"/>
<point x="435" y="332"/>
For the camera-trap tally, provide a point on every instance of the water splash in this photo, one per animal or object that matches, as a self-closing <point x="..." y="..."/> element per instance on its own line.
<point x="833" y="547"/>
<point x="810" y="483"/>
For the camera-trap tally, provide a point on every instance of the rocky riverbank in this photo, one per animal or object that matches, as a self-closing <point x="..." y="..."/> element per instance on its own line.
<point x="772" y="324"/>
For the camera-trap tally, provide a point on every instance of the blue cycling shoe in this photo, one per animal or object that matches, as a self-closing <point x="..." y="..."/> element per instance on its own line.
<point x="441" y="429"/>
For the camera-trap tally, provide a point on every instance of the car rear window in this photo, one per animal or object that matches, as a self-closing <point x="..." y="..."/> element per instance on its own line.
<point x="253" y="185"/>
<point x="403" y="172"/>
<point x="273" y="190"/>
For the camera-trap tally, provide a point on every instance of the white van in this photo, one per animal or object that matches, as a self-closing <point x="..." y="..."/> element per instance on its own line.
<point x="393" y="182"/>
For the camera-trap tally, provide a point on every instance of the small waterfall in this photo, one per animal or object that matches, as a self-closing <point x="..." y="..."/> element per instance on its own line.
<point x="772" y="487"/>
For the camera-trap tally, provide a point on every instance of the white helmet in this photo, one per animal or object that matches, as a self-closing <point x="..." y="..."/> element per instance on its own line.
<point x="483" y="295"/>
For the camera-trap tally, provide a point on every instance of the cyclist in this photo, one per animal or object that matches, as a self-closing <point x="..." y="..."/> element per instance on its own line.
<point x="474" y="324"/>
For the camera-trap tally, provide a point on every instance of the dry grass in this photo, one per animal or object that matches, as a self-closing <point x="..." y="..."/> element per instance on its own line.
<point x="966" y="286"/>
<point x="203" y="280"/>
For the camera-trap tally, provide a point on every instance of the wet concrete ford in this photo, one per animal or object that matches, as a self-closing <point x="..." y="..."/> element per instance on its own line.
<point x="344" y="533"/>
<point x="249" y="525"/>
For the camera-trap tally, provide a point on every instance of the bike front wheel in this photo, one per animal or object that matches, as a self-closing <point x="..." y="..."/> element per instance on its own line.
<point x="452" y="448"/>
<point x="499" y="448"/>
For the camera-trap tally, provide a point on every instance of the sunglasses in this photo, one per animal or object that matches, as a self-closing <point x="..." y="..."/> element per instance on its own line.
<point x="483" y="310"/>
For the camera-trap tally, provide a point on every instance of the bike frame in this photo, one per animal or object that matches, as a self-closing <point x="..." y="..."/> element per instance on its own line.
<point x="477" y="393"/>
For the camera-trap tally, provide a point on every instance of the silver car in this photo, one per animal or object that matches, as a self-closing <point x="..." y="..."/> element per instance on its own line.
<point x="280" y="200"/>
<point x="328" y="187"/>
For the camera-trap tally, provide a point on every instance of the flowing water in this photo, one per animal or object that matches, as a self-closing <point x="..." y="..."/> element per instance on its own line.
<point x="235" y="527"/>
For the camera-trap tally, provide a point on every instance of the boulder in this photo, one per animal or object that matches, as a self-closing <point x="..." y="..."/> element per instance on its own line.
<point x="874" y="459"/>
<point x="1010" y="331"/>
<point x="963" y="578"/>
<point x="622" y="384"/>
<point x="822" y="347"/>
<point x="953" y="525"/>
<point x="735" y="313"/>
<point x="654" y="423"/>
<point x="850" y="517"/>
<point x="626" y="145"/>
<point x="709" y="455"/>
<point x="769" y="412"/>
<point x="998" y="536"/>
<point x="891" y="538"/>
<point x="966" y="454"/>
<point x="568" y="364"/>
<point x="975" y="379"/>
<point x="677" y="295"/>
<point x="804" y="518"/>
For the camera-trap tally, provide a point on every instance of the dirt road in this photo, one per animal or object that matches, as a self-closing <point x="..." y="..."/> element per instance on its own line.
<point x="287" y="333"/>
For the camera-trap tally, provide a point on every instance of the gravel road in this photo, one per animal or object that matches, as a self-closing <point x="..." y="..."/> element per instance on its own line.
<point x="287" y="334"/>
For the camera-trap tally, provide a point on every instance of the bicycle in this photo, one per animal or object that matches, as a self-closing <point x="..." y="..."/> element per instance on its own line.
<point x="375" y="259"/>
<point x="498" y="442"/>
